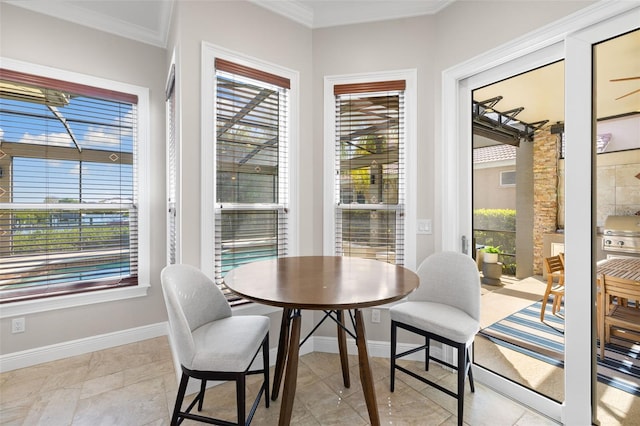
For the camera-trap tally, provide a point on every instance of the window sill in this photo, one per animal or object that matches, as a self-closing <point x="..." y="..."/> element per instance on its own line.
<point x="71" y="300"/>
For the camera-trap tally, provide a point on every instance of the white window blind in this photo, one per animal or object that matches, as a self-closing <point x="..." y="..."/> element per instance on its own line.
<point x="251" y="207"/>
<point x="68" y="199"/>
<point x="369" y="163"/>
<point x="172" y="170"/>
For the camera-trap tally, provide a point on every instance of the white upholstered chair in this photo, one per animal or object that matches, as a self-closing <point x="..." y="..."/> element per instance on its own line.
<point x="445" y="308"/>
<point x="210" y="343"/>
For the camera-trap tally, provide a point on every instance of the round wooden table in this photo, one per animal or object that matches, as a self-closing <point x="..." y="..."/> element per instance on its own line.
<point x="330" y="283"/>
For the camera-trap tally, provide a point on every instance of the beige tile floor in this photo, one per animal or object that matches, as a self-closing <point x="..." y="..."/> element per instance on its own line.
<point x="136" y="384"/>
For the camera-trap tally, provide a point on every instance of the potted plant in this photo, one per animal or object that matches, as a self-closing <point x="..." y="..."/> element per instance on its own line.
<point x="491" y="254"/>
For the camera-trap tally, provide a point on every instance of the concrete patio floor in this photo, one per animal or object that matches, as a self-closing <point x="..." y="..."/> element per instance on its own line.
<point x="615" y="407"/>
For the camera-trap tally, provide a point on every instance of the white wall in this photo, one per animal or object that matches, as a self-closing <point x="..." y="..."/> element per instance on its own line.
<point x="271" y="39"/>
<point x="42" y="40"/>
<point x="382" y="46"/>
<point x="428" y="43"/>
<point x="624" y="131"/>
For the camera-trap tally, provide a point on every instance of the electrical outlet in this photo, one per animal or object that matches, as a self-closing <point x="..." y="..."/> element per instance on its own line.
<point x="18" y="325"/>
<point x="424" y="226"/>
<point x="375" y="316"/>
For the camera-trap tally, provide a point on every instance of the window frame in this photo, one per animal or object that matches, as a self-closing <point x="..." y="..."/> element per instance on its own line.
<point x="410" y="172"/>
<point x="507" y="185"/>
<point x="25" y="307"/>
<point x="208" y="149"/>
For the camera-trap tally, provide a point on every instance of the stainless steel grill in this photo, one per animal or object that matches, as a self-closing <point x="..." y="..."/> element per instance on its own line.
<point x="621" y="234"/>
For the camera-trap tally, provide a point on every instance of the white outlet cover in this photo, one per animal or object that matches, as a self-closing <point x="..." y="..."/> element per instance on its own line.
<point x="18" y="325"/>
<point x="424" y="226"/>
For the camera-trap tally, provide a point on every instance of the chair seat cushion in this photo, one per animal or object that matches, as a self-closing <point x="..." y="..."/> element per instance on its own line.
<point x="436" y="318"/>
<point x="228" y="344"/>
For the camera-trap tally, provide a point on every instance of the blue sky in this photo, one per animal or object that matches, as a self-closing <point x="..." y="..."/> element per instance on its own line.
<point x="96" y="125"/>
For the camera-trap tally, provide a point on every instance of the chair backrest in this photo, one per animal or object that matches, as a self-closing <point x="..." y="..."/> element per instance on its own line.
<point x="192" y="300"/>
<point x="554" y="264"/>
<point x="450" y="278"/>
<point x="618" y="287"/>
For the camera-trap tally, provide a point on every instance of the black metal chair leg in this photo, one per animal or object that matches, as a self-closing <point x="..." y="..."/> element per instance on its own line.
<point x="240" y="396"/>
<point x="203" y="386"/>
<point x="392" y="379"/>
<point x="265" y="361"/>
<point x="427" y="343"/>
<point x="470" y="372"/>
<point x="179" y="398"/>
<point x="462" y="367"/>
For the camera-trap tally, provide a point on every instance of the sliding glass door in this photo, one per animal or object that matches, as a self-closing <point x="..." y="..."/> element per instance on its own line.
<point x="601" y="112"/>
<point x="501" y="212"/>
<point x="518" y="193"/>
<point x="571" y="40"/>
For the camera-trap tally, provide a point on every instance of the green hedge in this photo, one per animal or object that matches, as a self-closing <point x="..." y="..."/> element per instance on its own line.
<point x="495" y="219"/>
<point x="497" y="227"/>
<point x="70" y="239"/>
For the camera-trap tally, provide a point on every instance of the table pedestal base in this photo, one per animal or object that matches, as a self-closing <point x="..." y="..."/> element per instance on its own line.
<point x="291" y="375"/>
<point x="289" y="351"/>
<point x="365" y="371"/>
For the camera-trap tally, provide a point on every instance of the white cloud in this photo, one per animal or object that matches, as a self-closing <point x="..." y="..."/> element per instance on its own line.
<point x="96" y="136"/>
<point x="52" y="139"/>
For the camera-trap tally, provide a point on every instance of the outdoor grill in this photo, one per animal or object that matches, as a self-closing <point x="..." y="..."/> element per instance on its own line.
<point x="621" y="234"/>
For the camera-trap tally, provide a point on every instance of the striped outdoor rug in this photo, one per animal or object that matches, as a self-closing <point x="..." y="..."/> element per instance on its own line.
<point x="523" y="332"/>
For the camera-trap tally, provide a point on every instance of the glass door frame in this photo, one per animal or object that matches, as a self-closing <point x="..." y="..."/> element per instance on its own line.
<point x="535" y="60"/>
<point x="580" y="125"/>
<point x="576" y="33"/>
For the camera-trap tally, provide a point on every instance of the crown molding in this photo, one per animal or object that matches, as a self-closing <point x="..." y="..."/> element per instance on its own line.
<point x="318" y="14"/>
<point x="76" y="13"/>
<point x="310" y="13"/>
<point x="291" y="9"/>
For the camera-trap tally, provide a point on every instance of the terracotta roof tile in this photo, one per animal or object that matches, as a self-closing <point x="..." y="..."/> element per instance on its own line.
<point x="494" y="153"/>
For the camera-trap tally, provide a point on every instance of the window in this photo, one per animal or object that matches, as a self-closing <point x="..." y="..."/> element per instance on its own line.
<point x="70" y="206"/>
<point x="508" y="178"/>
<point x="373" y="211"/>
<point x="251" y="191"/>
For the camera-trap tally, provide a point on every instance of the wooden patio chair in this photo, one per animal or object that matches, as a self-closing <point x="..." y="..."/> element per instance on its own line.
<point x="615" y="314"/>
<point x="555" y="284"/>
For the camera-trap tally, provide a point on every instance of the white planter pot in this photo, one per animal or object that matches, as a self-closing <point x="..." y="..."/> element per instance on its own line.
<point x="490" y="257"/>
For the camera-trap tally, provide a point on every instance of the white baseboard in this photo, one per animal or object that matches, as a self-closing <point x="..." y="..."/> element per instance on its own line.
<point x="62" y="350"/>
<point x="376" y="348"/>
<point x="30" y="357"/>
